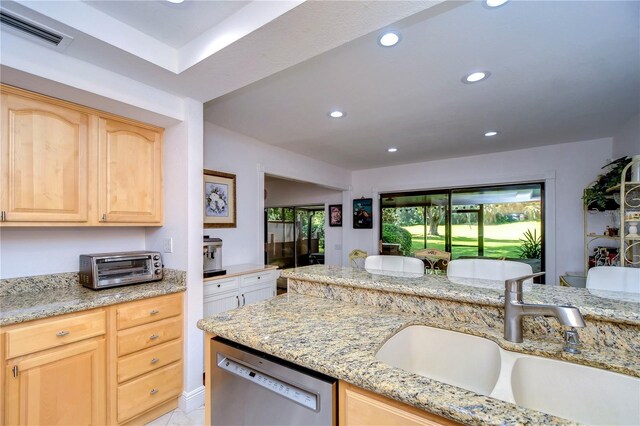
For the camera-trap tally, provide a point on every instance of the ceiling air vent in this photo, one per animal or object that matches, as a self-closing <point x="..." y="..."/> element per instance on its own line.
<point x="33" y="31"/>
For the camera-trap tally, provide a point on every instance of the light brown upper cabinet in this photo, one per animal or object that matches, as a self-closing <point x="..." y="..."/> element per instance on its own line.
<point x="129" y="173"/>
<point x="44" y="161"/>
<point x="63" y="164"/>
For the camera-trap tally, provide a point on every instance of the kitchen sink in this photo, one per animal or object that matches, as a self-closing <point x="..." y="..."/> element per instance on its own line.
<point x="446" y="356"/>
<point x="587" y="395"/>
<point x="579" y="393"/>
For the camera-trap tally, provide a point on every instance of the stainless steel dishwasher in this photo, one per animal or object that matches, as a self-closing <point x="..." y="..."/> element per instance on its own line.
<point x="253" y="388"/>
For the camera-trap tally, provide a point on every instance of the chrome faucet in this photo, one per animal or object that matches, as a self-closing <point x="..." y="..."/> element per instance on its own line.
<point x="515" y="309"/>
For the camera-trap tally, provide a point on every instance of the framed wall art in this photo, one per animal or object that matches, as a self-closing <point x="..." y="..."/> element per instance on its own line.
<point x="219" y="199"/>
<point x="363" y="213"/>
<point x="335" y="215"/>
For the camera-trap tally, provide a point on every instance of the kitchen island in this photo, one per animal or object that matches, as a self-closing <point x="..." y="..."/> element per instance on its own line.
<point x="337" y="327"/>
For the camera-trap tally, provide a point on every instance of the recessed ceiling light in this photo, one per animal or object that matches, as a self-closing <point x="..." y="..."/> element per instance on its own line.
<point x="392" y="149"/>
<point x="475" y="77"/>
<point x="389" y="39"/>
<point x="175" y="1"/>
<point x="336" y="114"/>
<point x="495" y="3"/>
<point x="491" y="133"/>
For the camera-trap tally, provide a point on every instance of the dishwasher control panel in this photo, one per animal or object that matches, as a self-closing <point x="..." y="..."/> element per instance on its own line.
<point x="287" y="390"/>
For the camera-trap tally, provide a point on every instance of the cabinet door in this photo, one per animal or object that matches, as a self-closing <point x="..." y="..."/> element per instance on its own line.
<point x="258" y="293"/>
<point x="43" y="161"/>
<point x="220" y="303"/>
<point x="60" y="387"/>
<point x="129" y="173"/>
<point x="358" y="407"/>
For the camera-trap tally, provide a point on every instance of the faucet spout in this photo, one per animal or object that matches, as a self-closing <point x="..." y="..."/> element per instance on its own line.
<point x="515" y="309"/>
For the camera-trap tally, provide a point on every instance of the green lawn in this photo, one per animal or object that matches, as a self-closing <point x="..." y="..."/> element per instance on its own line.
<point x="499" y="240"/>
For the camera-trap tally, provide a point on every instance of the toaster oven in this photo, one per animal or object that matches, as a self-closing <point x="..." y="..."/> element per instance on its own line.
<point x="104" y="270"/>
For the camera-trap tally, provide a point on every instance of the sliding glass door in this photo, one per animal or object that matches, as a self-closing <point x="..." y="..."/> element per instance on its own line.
<point x="501" y="222"/>
<point x="294" y="236"/>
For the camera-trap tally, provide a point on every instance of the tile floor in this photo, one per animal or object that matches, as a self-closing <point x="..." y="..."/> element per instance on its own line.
<point x="179" y="417"/>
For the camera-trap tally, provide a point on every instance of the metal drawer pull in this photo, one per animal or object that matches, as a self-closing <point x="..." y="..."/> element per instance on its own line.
<point x="153" y="337"/>
<point x="154" y="312"/>
<point x="62" y="333"/>
<point x="153" y="391"/>
<point x="154" y="360"/>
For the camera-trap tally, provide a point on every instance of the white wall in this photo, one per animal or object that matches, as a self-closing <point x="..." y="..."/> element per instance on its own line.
<point x="183" y="224"/>
<point x="283" y="193"/>
<point x="627" y="140"/>
<point x="136" y="98"/>
<point x="249" y="159"/>
<point x="38" y="251"/>
<point x="566" y="168"/>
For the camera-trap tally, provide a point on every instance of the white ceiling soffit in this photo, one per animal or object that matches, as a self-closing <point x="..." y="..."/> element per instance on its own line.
<point x="102" y="26"/>
<point x="562" y="71"/>
<point x="305" y="31"/>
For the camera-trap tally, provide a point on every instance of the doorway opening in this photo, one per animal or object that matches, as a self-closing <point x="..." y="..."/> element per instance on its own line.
<point x="294" y="236"/>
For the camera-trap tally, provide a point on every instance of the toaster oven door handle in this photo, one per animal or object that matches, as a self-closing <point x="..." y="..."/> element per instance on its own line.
<point x="124" y="257"/>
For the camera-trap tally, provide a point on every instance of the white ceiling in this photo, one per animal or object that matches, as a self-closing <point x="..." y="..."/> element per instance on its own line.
<point x="173" y="24"/>
<point x="561" y="72"/>
<point x="262" y="38"/>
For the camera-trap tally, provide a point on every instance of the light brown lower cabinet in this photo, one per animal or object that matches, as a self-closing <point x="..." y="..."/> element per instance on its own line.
<point x="63" y="386"/>
<point x="359" y="407"/>
<point x="70" y="372"/>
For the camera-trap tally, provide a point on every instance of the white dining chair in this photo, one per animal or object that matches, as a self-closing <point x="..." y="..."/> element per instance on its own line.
<point x="614" y="278"/>
<point x="489" y="269"/>
<point x="389" y="263"/>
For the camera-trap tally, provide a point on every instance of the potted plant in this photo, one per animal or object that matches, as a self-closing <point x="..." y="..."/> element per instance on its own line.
<point x="595" y="195"/>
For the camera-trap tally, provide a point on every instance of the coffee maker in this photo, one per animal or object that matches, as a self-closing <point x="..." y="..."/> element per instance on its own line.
<point x="212" y="252"/>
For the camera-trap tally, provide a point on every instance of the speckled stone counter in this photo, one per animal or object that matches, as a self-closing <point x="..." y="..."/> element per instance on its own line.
<point x="242" y="269"/>
<point x="340" y="339"/>
<point x="609" y="306"/>
<point x="29" y="298"/>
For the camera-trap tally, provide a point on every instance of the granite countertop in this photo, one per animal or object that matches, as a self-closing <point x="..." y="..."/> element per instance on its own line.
<point x="596" y="304"/>
<point x="31" y="298"/>
<point x="340" y="339"/>
<point x="245" y="268"/>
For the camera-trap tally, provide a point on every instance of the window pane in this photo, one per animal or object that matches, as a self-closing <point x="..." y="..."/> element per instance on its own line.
<point x="413" y="222"/>
<point x="507" y="223"/>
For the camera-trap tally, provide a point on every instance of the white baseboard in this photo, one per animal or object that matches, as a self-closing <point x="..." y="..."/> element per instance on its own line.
<point x="190" y="401"/>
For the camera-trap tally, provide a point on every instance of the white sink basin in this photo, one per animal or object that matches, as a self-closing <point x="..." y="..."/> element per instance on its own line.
<point x="587" y="395"/>
<point x="582" y="394"/>
<point x="446" y="356"/>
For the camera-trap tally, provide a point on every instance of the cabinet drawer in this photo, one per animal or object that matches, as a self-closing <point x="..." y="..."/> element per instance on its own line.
<point x="149" y="360"/>
<point x="260" y="278"/>
<point x="220" y="286"/>
<point x="146" y="336"/>
<point x="148" y="391"/>
<point x="147" y="311"/>
<point x="54" y="332"/>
